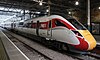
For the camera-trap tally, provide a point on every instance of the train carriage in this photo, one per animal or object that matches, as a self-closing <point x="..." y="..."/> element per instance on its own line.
<point x="66" y="30"/>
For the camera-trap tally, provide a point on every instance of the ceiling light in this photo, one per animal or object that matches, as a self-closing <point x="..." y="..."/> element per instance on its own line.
<point x="69" y="12"/>
<point x="76" y="3"/>
<point x="40" y="3"/>
<point x="99" y="8"/>
<point x="22" y="11"/>
<point x="1" y="8"/>
<point x="38" y="12"/>
<point x="47" y="10"/>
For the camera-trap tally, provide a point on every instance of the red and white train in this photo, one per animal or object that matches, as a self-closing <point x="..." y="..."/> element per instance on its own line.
<point x="66" y="30"/>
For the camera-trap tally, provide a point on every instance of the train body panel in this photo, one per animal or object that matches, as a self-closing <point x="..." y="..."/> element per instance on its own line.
<point x="26" y="30"/>
<point x="58" y="28"/>
<point x="43" y="33"/>
<point x="68" y="36"/>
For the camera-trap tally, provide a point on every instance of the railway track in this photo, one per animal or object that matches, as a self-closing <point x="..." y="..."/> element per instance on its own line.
<point x="40" y="55"/>
<point x="92" y="55"/>
<point x="95" y="52"/>
<point x="47" y="53"/>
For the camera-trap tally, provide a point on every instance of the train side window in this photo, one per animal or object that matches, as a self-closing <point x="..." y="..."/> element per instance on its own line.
<point x="26" y="25"/>
<point x="58" y="23"/>
<point x="29" y="25"/>
<point x="21" y="23"/>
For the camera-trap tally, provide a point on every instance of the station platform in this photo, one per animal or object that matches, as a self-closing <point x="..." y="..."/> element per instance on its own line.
<point x="9" y="51"/>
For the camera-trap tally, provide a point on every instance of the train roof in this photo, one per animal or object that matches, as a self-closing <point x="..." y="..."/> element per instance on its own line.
<point x="47" y="18"/>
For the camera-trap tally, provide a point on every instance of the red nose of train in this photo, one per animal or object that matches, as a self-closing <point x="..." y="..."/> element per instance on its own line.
<point x="87" y="42"/>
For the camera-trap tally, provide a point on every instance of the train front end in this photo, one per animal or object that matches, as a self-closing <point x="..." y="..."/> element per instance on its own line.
<point x="87" y="41"/>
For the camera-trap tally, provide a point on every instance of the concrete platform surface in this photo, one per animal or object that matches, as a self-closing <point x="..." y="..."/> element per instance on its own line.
<point x="12" y="50"/>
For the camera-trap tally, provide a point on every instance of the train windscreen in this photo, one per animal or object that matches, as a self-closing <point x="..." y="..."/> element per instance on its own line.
<point x="77" y="24"/>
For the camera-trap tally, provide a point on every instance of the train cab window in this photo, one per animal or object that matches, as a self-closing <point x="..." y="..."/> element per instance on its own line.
<point x="58" y="23"/>
<point x="76" y="24"/>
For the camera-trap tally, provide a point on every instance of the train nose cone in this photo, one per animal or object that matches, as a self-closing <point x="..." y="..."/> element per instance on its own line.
<point x="89" y="39"/>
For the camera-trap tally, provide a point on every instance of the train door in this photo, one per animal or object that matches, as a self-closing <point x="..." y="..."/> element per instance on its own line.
<point x="49" y="31"/>
<point x="37" y="29"/>
<point x="13" y="25"/>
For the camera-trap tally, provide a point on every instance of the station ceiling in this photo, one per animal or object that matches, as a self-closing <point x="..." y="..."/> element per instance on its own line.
<point x="34" y="5"/>
<point x="56" y="5"/>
